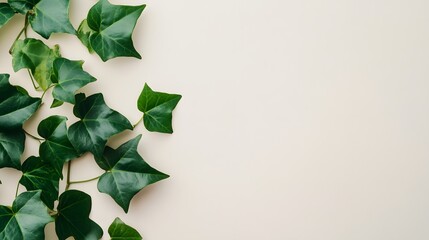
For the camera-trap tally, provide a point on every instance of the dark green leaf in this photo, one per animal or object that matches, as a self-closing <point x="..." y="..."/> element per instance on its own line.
<point x="57" y="148"/>
<point x="127" y="173"/>
<point x="51" y="16"/>
<point x="83" y="33"/>
<point x="40" y="175"/>
<point x="112" y="27"/>
<point x="16" y="106"/>
<point x="157" y="108"/>
<point x="119" y="230"/>
<point x="11" y="148"/>
<point x="23" y="6"/>
<point x="70" y="77"/>
<point x="98" y="123"/>
<point x="6" y="13"/>
<point x="73" y="217"/>
<point x="26" y="219"/>
<point x="36" y="56"/>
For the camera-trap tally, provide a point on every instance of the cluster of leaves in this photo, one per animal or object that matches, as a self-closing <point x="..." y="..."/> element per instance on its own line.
<point x="107" y="31"/>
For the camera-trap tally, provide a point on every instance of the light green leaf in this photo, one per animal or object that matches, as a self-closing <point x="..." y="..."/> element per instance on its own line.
<point x="127" y="173"/>
<point x="83" y="33"/>
<point x="73" y="217"/>
<point x="6" y="13"/>
<point x="26" y="219"/>
<point x="36" y="56"/>
<point x="37" y="174"/>
<point x="70" y="77"/>
<point x="112" y="28"/>
<point x="16" y="106"/>
<point x="157" y="108"/>
<point x="11" y="148"/>
<point x="23" y="6"/>
<point x="119" y="230"/>
<point x="57" y="148"/>
<point x="98" y="123"/>
<point x="51" y="16"/>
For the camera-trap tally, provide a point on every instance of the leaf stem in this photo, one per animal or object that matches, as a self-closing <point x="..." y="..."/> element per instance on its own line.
<point x="33" y="137"/>
<point x="23" y="30"/>
<point x="68" y="175"/>
<point x="44" y="92"/>
<point x="17" y="189"/>
<point x="32" y="80"/>
<point x="137" y="123"/>
<point x="84" y="181"/>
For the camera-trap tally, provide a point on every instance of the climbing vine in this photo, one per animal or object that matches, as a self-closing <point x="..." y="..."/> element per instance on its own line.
<point x="107" y="31"/>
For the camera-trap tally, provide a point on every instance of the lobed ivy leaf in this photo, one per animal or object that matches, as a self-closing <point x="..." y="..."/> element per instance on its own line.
<point x="98" y="123"/>
<point x="57" y="149"/>
<point x="16" y="106"/>
<point x="51" y="16"/>
<point x="38" y="175"/>
<point x="69" y="77"/>
<point x="11" y="148"/>
<point x="73" y="217"/>
<point x="127" y="173"/>
<point x="36" y="56"/>
<point x="6" y="13"/>
<point x="119" y="230"/>
<point x="157" y="108"/>
<point x="26" y="219"/>
<point x="108" y="29"/>
<point x="23" y="6"/>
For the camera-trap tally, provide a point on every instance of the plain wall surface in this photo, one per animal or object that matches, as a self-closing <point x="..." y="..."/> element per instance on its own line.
<point x="300" y="120"/>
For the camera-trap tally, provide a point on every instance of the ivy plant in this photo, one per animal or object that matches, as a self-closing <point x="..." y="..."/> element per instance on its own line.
<point x="107" y="31"/>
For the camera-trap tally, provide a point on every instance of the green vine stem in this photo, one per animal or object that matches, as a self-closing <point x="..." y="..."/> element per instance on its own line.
<point x="33" y="137"/>
<point x="84" y="181"/>
<point x="137" y="123"/>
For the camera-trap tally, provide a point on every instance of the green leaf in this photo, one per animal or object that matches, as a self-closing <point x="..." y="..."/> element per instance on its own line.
<point x="36" y="56"/>
<point x="6" y="13"/>
<point x="157" y="108"/>
<point x="23" y="6"/>
<point x="40" y="175"/>
<point x="57" y="148"/>
<point x="70" y="77"/>
<point x="127" y="173"/>
<point x="73" y="217"/>
<point x="16" y="106"/>
<point x="119" y="230"/>
<point x="11" y="148"/>
<point x="51" y="16"/>
<point x="83" y="33"/>
<point x="98" y="123"/>
<point x="112" y="27"/>
<point x="26" y="219"/>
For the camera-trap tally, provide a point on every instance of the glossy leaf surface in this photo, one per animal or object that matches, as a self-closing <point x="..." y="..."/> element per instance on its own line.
<point x="11" y="148"/>
<point x="23" y="6"/>
<point x="119" y="230"/>
<point x="98" y="123"/>
<point x="6" y="13"/>
<point x="16" y="106"/>
<point x="73" y="217"/>
<point x="57" y="148"/>
<point x="158" y="109"/>
<point x="112" y="27"/>
<point x="51" y="16"/>
<point x="26" y="219"/>
<point x="70" y="77"/>
<point x="38" y="175"/>
<point x="83" y="33"/>
<point x="127" y="173"/>
<point x="36" y="56"/>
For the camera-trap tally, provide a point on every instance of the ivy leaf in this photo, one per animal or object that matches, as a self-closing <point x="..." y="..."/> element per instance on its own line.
<point x="57" y="148"/>
<point x="73" y="217"/>
<point x="157" y="108"/>
<point x="70" y="77"/>
<point x="6" y="13"/>
<point x="51" y="16"/>
<point x="112" y="27"/>
<point x="127" y="173"/>
<point x="40" y="175"/>
<point x="23" y="6"/>
<point x="83" y="33"/>
<point x="11" y="148"/>
<point x="119" y="230"/>
<point x="36" y="56"/>
<point x="16" y="106"/>
<point x="98" y="123"/>
<point x="26" y="219"/>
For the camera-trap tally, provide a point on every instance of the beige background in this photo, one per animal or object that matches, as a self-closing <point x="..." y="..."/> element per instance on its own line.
<point x="299" y="120"/>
